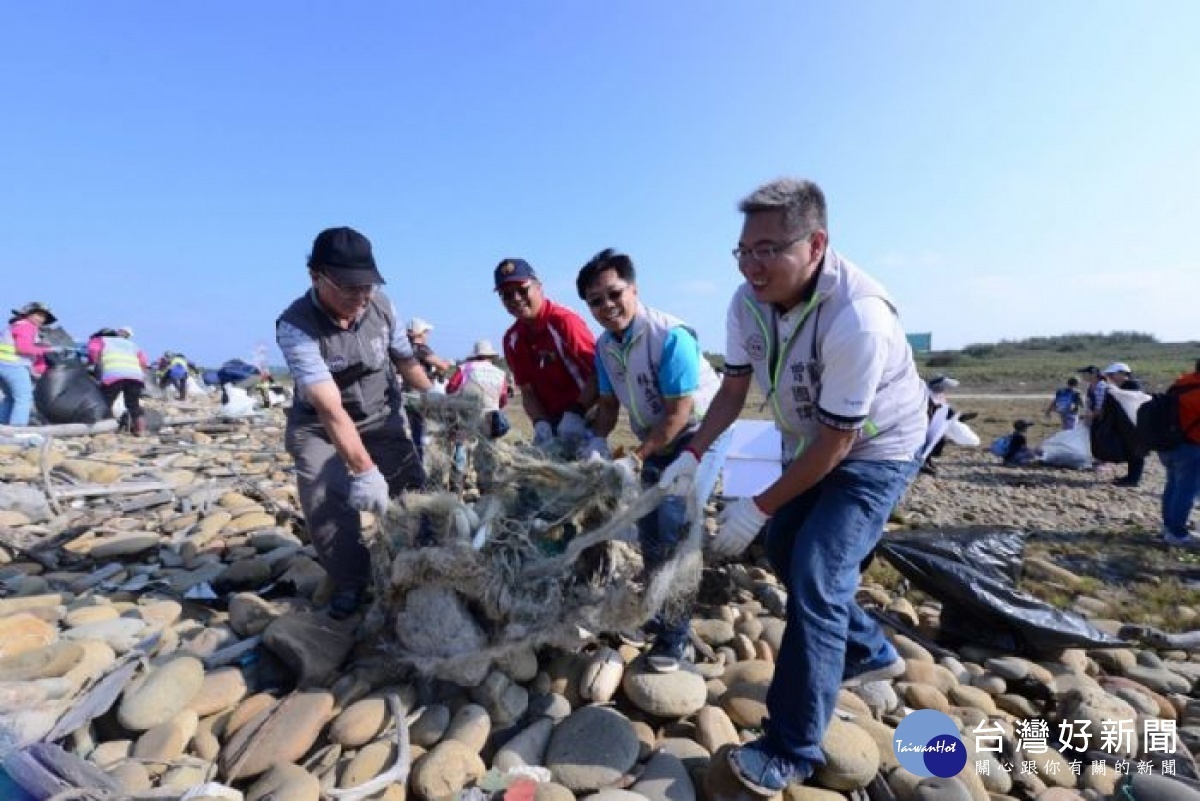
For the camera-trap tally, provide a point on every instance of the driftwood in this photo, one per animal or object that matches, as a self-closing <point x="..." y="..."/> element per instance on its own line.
<point x="61" y="429"/>
<point x="97" y="490"/>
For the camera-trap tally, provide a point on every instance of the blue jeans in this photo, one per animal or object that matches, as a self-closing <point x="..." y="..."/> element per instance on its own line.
<point x="18" y="394"/>
<point x="1182" y="487"/>
<point x="659" y="534"/>
<point x="816" y="544"/>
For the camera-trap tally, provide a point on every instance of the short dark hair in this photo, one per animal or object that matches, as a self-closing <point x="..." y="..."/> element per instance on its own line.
<point x="1072" y="381"/>
<point x="801" y="202"/>
<point x="607" y="259"/>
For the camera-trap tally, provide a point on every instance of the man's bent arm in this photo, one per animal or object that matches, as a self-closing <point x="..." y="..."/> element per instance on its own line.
<point x="343" y="434"/>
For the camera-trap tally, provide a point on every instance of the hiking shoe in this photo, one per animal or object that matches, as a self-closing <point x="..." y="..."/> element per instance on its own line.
<point x="665" y="659"/>
<point x="1125" y="482"/>
<point x="889" y="671"/>
<point x="1177" y="539"/>
<point x="345" y="603"/>
<point x="764" y="772"/>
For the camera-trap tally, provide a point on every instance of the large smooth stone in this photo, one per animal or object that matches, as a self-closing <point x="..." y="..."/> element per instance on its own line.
<point x="166" y="741"/>
<point x="360" y="722"/>
<point x="285" y="783"/>
<point x="528" y="747"/>
<point x="714" y="729"/>
<point x="163" y="693"/>
<point x="126" y="543"/>
<point x="1149" y="787"/>
<point x="665" y="778"/>
<point x="312" y="644"/>
<point x="851" y="757"/>
<point x="445" y="770"/>
<point x="48" y="662"/>
<point x="665" y="695"/>
<point x="470" y="726"/>
<point x="284" y="735"/>
<point x="746" y="703"/>
<point x="938" y="789"/>
<point x="592" y="748"/>
<point x="222" y="689"/>
<point x="24" y="632"/>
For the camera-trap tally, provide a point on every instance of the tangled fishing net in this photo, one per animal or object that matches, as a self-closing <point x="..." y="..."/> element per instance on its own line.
<point x="546" y="547"/>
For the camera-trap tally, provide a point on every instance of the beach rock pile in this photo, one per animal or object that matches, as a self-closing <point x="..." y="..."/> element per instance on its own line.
<point x="203" y="605"/>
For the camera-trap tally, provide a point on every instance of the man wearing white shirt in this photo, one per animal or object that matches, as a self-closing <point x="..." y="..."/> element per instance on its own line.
<point x="824" y="342"/>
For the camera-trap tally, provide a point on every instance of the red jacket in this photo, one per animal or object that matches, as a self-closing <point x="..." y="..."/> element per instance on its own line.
<point x="552" y="356"/>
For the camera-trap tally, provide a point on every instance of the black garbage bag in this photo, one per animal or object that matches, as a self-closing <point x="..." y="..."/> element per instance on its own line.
<point x="973" y="572"/>
<point x="67" y="393"/>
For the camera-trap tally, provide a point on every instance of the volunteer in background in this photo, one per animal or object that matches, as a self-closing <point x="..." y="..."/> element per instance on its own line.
<point x="22" y="360"/>
<point x="119" y="365"/>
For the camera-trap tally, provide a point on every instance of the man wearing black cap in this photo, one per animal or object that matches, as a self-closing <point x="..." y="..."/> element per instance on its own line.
<point x="344" y="348"/>
<point x="551" y="354"/>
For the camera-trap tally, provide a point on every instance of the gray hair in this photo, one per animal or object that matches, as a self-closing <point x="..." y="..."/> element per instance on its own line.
<point x="801" y="202"/>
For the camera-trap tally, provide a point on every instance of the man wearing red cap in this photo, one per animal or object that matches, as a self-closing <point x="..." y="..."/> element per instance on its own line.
<point x="551" y="354"/>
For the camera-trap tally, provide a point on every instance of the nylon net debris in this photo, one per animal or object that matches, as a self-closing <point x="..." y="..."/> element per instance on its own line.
<point x="513" y="547"/>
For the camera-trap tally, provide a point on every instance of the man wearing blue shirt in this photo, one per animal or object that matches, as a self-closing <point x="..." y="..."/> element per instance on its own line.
<point x="649" y="363"/>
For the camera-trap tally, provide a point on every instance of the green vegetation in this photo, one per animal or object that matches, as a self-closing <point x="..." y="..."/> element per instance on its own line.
<point x="1042" y="363"/>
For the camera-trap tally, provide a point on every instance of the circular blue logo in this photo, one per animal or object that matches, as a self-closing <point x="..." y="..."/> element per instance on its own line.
<point x="927" y="744"/>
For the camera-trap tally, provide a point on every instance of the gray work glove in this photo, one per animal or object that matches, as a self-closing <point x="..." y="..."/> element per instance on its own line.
<point x="369" y="491"/>
<point x="542" y="433"/>
<point x="572" y="427"/>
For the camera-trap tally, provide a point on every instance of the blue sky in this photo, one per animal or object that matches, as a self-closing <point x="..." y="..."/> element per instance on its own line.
<point x="1006" y="169"/>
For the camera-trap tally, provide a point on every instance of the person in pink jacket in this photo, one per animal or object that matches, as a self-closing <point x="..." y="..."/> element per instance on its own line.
<point x="22" y="360"/>
<point x="120" y="366"/>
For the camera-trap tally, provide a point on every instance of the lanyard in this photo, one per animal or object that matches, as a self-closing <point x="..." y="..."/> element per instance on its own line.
<point x="777" y="354"/>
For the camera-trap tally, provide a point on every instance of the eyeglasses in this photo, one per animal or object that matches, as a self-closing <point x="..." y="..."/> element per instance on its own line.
<point x="349" y="292"/>
<point x="767" y="251"/>
<point x="611" y="296"/>
<point x="508" y="293"/>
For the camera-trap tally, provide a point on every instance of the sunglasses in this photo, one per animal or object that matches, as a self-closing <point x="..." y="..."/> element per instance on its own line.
<point x="365" y="290"/>
<point x="611" y="296"/>
<point x="511" y="292"/>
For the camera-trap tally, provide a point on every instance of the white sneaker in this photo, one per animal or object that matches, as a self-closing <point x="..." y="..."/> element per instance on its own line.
<point x="888" y="671"/>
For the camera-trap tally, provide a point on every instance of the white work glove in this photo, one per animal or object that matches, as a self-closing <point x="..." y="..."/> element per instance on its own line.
<point x="737" y="527"/>
<point x="369" y="491"/>
<point x="680" y="474"/>
<point x="571" y="426"/>
<point x="596" y="447"/>
<point x="542" y="433"/>
<point x="629" y="468"/>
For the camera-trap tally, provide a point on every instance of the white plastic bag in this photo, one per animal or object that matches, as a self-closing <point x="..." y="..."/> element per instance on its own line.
<point x="1070" y="448"/>
<point x="960" y="433"/>
<point x="239" y="403"/>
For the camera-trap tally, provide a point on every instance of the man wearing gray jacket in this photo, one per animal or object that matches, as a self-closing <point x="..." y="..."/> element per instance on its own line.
<point x="344" y="348"/>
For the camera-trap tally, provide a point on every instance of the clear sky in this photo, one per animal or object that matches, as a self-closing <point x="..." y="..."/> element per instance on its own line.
<point x="1007" y="169"/>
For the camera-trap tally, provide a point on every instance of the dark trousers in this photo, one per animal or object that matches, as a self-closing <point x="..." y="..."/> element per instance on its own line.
<point x="1136" y="467"/>
<point x="180" y="384"/>
<point x="132" y="390"/>
<point x="323" y="482"/>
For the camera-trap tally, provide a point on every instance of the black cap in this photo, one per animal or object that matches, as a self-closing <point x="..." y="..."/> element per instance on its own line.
<point x="513" y="270"/>
<point x="1021" y="425"/>
<point x="345" y="256"/>
<point x="1091" y="369"/>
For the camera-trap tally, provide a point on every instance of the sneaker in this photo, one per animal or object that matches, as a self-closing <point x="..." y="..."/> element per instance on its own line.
<point x="632" y="638"/>
<point x="345" y="603"/>
<point x="764" y="772"/>
<point x="1177" y="539"/>
<point x="665" y="659"/>
<point x="889" y="671"/>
